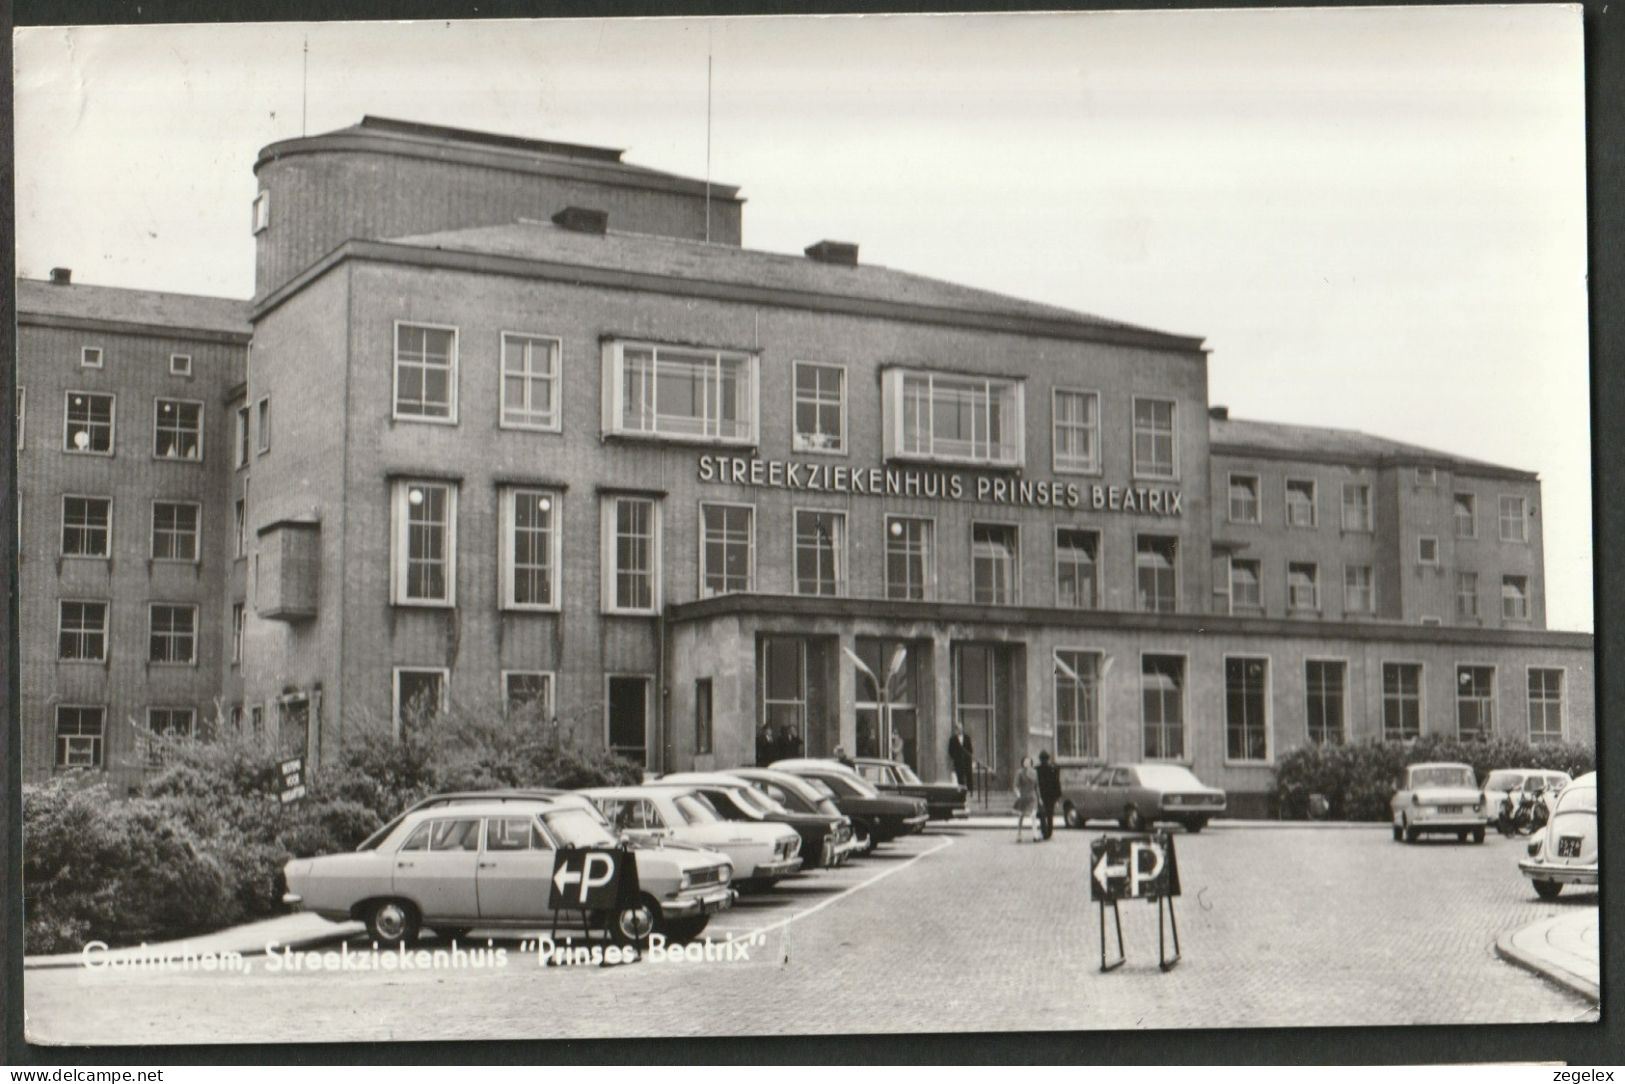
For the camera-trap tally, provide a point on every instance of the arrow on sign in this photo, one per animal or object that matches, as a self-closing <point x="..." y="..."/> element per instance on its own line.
<point x="566" y="876"/>
<point x="1104" y="871"/>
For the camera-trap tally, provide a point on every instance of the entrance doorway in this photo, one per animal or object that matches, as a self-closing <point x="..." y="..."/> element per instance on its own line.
<point x="886" y="688"/>
<point x="983" y="704"/>
<point x="628" y="721"/>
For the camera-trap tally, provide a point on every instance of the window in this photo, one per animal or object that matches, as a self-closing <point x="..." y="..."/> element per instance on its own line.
<point x="1401" y="701"/>
<point x="1467" y="594"/>
<point x="1300" y="503"/>
<point x="1545" y="705"/>
<point x="1246" y="588"/>
<point x="172" y="634"/>
<point x="1359" y="590"/>
<point x="89" y="427"/>
<point x="1357" y="514"/>
<point x="632" y="564"/>
<point x="1077" y="568"/>
<point x="1302" y="586"/>
<point x="175" y="528"/>
<point x="820" y="408"/>
<point x="528" y="691"/>
<point x="177" y="722"/>
<point x="241" y="513"/>
<point x="531" y="548"/>
<point x="995" y="564"/>
<point x="1515" y="598"/>
<point x="238" y="615"/>
<point x="180" y="364"/>
<point x="1514" y="519"/>
<point x="1466" y="513"/>
<point x="530" y="382"/>
<point x="263" y="425"/>
<point x="784" y="685"/>
<point x="1427" y="476"/>
<point x="87" y="526"/>
<point x="1427" y="550"/>
<point x="262" y="212"/>
<point x="256" y="720"/>
<point x="910" y="558"/>
<point x="90" y="357"/>
<point x="684" y="394"/>
<point x="79" y="731"/>
<point x="423" y="561"/>
<point x="1154" y="448"/>
<point x="1156" y="564"/>
<point x="22" y="413"/>
<point x="1162" y="706"/>
<point x="420" y="694"/>
<point x="1475" y="702"/>
<point x="177" y="429"/>
<point x="82" y="632"/>
<point x="702" y="716"/>
<point x="727" y="545"/>
<point x="1324" y="683"/>
<point x="820" y="552"/>
<point x="242" y="437"/>
<point x="425" y="373"/>
<point x="1244" y="506"/>
<point x="1077" y="431"/>
<point x="1246" y="694"/>
<point x="962" y="419"/>
<point x="1077" y="704"/>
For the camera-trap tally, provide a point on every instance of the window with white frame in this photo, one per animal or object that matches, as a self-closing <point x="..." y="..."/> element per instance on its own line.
<point x="632" y="559"/>
<point x="238" y="616"/>
<point x="1357" y="515"/>
<point x="679" y="393"/>
<point x="1300" y="503"/>
<point x="1515" y="598"/>
<point x="530" y="382"/>
<point x="262" y="425"/>
<point x="532" y="546"/>
<point x="242" y="437"/>
<point x="180" y="364"/>
<point x="175" y="529"/>
<point x="90" y="357"/>
<point x="1325" y="682"/>
<point x="177" y="429"/>
<point x="87" y="526"/>
<point x="1302" y="585"/>
<point x="953" y="418"/>
<point x="1475" y="703"/>
<point x="1401" y="701"/>
<point x="1244" y="505"/>
<point x="420" y="694"/>
<point x="172" y="633"/>
<point x="1162" y="706"/>
<point x="1465" y="507"/>
<point x="910" y="558"/>
<point x="1077" y="430"/>
<point x="1467" y="594"/>
<point x="727" y="548"/>
<point x="1077" y="704"/>
<point x="1427" y="550"/>
<point x="80" y="731"/>
<point x="995" y="564"/>
<point x="1155" y="448"/>
<point x="1246" y="700"/>
<point x="1246" y="586"/>
<point x="88" y="427"/>
<point x="820" y="559"/>
<point x="240" y="513"/>
<point x="1077" y="568"/>
<point x="82" y="631"/>
<point x="423" y="558"/>
<point x="262" y="211"/>
<point x="820" y="407"/>
<point x="175" y="722"/>
<point x="425" y="373"/>
<point x="1514" y="519"/>
<point x="1545" y="704"/>
<point x="1156" y="570"/>
<point x="1359" y="590"/>
<point x="528" y="692"/>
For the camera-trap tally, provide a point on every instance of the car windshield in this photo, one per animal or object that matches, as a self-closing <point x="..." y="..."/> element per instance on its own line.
<point x="578" y="828"/>
<point x="1442" y="775"/>
<point x="1503" y="780"/>
<point x="857" y="785"/>
<point x="821" y="788"/>
<point x="1167" y="777"/>
<point x="905" y="773"/>
<point x="695" y="809"/>
<point x="1578" y="800"/>
<point x="764" y="803"/>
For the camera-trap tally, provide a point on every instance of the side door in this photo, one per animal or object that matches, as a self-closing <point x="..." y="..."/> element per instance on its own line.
<point x="515" y="870"/>
<point x="437" y="866"/>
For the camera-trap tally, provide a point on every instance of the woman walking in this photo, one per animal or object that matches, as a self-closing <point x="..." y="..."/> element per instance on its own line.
<point x="1026" y="797"/>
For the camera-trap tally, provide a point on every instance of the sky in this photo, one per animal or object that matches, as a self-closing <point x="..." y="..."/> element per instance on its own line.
<point x="1374" y="217"/>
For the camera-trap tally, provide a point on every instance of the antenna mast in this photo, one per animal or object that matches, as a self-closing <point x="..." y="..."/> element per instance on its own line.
<point x="304" y="90"/>
<point x="708" y="138"/>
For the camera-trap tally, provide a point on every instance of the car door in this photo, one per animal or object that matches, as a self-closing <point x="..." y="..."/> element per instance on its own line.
<point x="515" y="870"/>
<point x="1094" y="799"/>
<point x="437" y="867"/>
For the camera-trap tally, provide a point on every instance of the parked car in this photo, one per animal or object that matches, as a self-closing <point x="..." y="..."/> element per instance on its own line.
<point x="825" y="831"/>
<point x="1438" y="797"/>
<point x="1503" y="786"/>
<point x="876" y="817"/>
<point x="760" y="853"/>
<point x="1137" y="796"/>
<point x="1565" y="852"/>
<point x="943" y="801"/>
<point x="460" y="864"/>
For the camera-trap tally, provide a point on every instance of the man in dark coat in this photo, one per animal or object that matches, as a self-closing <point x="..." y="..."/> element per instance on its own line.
<point x="789" y="742"/>
<point x="959" y="755"/>
<point x="1049" y="792"/>
<point x="767" y="746"/>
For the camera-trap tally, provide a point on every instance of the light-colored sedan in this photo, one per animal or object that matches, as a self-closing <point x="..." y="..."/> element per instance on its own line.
<point x="1438" y="797"/>
<point x="489" y="864"/>
<point x="1565" y="851"/>
<point x="761" y="852"/>
<point x="1504" y="783"/>
<point x="1137" y="795"/>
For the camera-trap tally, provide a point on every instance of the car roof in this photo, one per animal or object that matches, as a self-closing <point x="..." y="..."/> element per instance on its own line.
<point x="1440" y="764"/>
<point x="640" y="790"/>
<point x="820" y="764"/>
<point x="701" y="779"/>
<point x="875" y="760"/>
<point x="486" y="809"/>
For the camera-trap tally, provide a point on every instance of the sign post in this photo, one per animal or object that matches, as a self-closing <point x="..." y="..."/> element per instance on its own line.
<point x="591" y="880"/>
<point x="1137" y="867"/>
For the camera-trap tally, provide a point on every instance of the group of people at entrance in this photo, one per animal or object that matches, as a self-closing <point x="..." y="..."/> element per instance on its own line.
<point x="781" y="744"/>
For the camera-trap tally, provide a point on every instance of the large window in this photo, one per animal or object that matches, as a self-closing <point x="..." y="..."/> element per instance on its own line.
<point x="88" y="423"/>
<point x="1162" y="706"/>
<point x="175" y="529"/>
<point x="964" y="419"/>
<point x="1475" y="703"/>
<point x="1514" y="519"/>
<point x="1303" y="586"/>
<point x="1077" y="568"/>
<point x="1155" y="449"/>
<point x="1357" y="507"/>
<point x="82" y="632"/>
<point x="727" y="548"/>
<point x="530" y="382"/>
<point x="631" y="533"/>
<point x="820" y="407"/>
<point x="820" y="552"/>
<point x="1467" y="595"/>
<point x="1244" y="506"/>
<point x="1401" y="701"/>
<point x="1077" y="704"/>
<point x="531" y="548"/>
<point x="1156" y="565"/>
<point x="1545" y="704"/>
<point x="910" y="558"/>
<point x="681" y="393"/>
<point x="1246" y="700"/>
<point x="172" y="633"/>
<point x="528" y="691"/>
<point x="1077" y="431"/>
<point x="1324" y="684"/>
<point x="423" y="560"/>
<point x="1301" y="507"/>
<point x="995" y="564"/>
<point x="1466" y="515"/>
<point x="784" y="688"/>
<point x="425" y="373"/>
<point x="79" y="734"/>
<point x="1359" y="590"/>
<point x="1515" y="598"/>
<point x="1246" y="588"/>
<point x="87" y="526"/>
<point x="177" y="429"/>
<point x="420" y="694"/>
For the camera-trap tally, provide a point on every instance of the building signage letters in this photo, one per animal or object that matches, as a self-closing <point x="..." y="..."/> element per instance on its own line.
<point x="921" y="482"/>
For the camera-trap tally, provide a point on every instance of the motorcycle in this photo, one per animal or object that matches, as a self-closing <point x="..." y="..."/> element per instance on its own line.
<point x="1523" y="813"/>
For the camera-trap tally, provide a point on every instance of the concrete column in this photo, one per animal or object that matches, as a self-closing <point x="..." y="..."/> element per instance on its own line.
<point x="846" y="691"/>
<point x="935" y="766"/>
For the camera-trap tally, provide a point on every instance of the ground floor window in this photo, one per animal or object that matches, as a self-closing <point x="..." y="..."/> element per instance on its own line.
<point x="982" y="687"/>
<point x="420" y="694"/>
<point x="175" y="722"/>
<point x="784" y="692"/>
<point x="1324" y="681"/>
<point x="529" y="692"/>
<point x="886" y="684"/>
<point x="1162" y="706"/>
<point x="1077" y="704"/>
<point x="1246" y="698"/>
<point x="627" y="704"/>
<point x="1401" y="700"/>
<point x="79" y="731"/>
<point x="1475" y="702"/>
<point x="1545" y="704"/>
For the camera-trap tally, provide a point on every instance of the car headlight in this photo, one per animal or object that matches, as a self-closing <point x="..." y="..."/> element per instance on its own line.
<point x="1534" y="848"/>
<point x="686" y="882"/>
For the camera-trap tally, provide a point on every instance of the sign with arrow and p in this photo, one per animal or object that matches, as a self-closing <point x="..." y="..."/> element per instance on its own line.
<point x="1138" y="867"/>
<point x="591" y="879"/>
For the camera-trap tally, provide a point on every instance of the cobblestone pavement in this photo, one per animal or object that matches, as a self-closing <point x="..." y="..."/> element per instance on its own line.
<point x="952" y="930"/>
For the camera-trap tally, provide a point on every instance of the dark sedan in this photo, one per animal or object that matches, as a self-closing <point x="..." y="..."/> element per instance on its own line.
<point x="943" y="801"/>
<point x="826" y="834"/>
<point x="880" y="817"/>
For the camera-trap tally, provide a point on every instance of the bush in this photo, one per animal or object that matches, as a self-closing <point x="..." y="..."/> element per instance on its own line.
<point x="1358" y="780"/>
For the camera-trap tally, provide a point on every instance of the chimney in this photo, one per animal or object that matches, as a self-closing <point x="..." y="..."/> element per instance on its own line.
<point x="1219" y="413"/>
<point x="844" y="253"/>
<point x="582" y="220"/>
<point x="61" y="276"/>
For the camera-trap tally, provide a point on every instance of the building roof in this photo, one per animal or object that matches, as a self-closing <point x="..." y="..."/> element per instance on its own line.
<point x="114" y="304"/>
<point x="1308" y="442"/>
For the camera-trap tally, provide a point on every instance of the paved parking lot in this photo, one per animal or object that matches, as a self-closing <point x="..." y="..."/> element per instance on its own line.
<point x="953" y="930"/>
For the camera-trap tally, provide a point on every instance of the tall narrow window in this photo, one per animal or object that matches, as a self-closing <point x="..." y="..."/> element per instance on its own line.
<point x="79" y="734"/>
<point x="1357" y="507"/>
<point x="238" y="611"/>
<point x="1401" y="701"/>
<point x="530" y="382"/>
<point x="820" y="552"/>
<point x="175" y="529"/>
<point x="242" y="436"/>
<point x="1156" y="565"/>
<point x="262" y="212"/>
<point x="1077" y="431"/>
<point x="1324" y="682"/>
<point x="1467" y="595"/>
<point x="1244" y="506"/>
<point x="1246" y="590"/>
<point x="1155" y="453"/>
<point x="423" y="561"/>
<point x="172" y="633"/>
<point x="995" y="564"/>
<point x="1303" y="586"/>
<point x="1545" y="705"/>
<point x="726" y="548"/>
<point x="1162" y="706"/>
<point x="784" y="687"/>
<point x="1515" y="598"/>
<point x="89" y="423"/>
<point x="1300" y="503"/>
<point x="702" y="716"/>
<point x="820" y="407"/>
<point x="1077" y="568"/>
<point x="1475" y="703"/>
<point x="425" y="372"/>
<point x="240" y="512"/>
<point x="910" y="558"/>
<point x="82" y="632"/>
<point x="177" y="429"/>
<point x="963" y="419"/>
<point x="1077" y="704"/>
<point x="1359" y="590"/>
<point x="531" y="547"/>
<point x="1514" y="519"/>
<point x="22" y="414"/>
<point x="262" y="424"/>
<point x="1246" y="696"/>
<point x="87" y="526"/>
<point x="1466" y="515"/>
<point x="632" y="563"/>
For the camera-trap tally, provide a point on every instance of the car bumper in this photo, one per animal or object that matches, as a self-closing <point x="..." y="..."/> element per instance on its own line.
<point x="843" y="850"/>
<point x="1563" y="875"/>
<point x="1428" y="822"/>
<point x="293" y="901"/>
<point x="916" y="822"/>
<point x="782" y="868"/>
<point x="708" y="902"/>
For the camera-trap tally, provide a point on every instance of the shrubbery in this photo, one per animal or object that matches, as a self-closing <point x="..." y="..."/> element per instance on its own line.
<point x="201" y="843"/>
<point x="1358" y="780"/>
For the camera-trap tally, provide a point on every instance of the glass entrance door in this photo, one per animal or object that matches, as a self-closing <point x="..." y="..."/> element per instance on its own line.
<point x="888" y="720"/>
<point x="629" y="717"/>
<point x="982" y="705"/>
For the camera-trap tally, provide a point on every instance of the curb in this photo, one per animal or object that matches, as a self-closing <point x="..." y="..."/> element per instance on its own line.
<point x="75" y="959"/>
<point x="994" y="821"/>
<point x="1529" y="961"/>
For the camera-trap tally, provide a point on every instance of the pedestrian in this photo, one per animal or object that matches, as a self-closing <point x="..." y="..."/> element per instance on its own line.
<point x="897" y="747"/>
<point x="843" y="757"/>
<point x="1026" y="796"/>
<point x="789" y="742"/>
<point x="767" y="746"/>
<point x="959" y="755"/>
<point x="1049" y="792"/>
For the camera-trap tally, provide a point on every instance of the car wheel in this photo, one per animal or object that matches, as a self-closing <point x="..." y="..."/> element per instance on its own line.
<point x="1478" y="835"/>
<point x="1411" y="834"/>
<point x="1071" y="815"/>
<point x="1399" y="833"/>
<point x="633" y="924"/>
<point x="686" y="929"/>
<point x="393" y="922"/>
<point x="1195" y="825"/>
<point x="1132" y="821"/>
<point x="1548" y="890"/>
<point x="1461" y="837"/>
<point x="451" y="933"/>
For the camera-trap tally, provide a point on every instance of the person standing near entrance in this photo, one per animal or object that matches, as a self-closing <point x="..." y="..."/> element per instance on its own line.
<point x="789" y="742"/>
<point x="897" y="747"/>
<point x="959" y="755"/>
<point x="767" y="746"/>
<point x="1049" y="792"/>
<point x="1026" y="797"/>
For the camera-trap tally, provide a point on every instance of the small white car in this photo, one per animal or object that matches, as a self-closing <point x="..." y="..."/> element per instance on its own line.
<point x="1565" y="851"/>
<point x="1438" y="797"/>
<point x="1504" y="783"/>
<point x="761" y="852"/>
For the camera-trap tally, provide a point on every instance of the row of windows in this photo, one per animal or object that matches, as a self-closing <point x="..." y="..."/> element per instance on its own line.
<point x="93" y="357"/>
<point x="89" y="420"/>
<point x="1514" y="597"/>
<point x="81" y="731"/>
<point x="1301" y="509"/>
<point x="1359" y="590"/>
<point x="87" y="529"/>
<point x="82" y="632"/>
